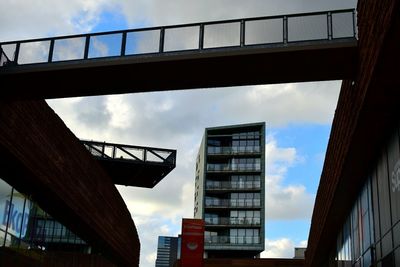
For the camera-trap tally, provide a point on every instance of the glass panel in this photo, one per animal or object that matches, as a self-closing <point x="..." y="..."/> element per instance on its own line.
<point x="9" y="50"/>
<point x="367" y="258"/>
<point x="20" y="209"/>
<point x="241" y="232"/>
<point x="5" y="202"/>
<point x="142" y="42"/>
<point x="182" y="38"/>
<point x="305" y="28"/>
<point x="34" y="52"/>
<point x="153" y="157"/>
<point x="249" y="232"/>
<point x="106" y="45"/>
<point x="263" y="32"/>
<point x="69" y="49"/>
<point x="387" y="244"/>
<point x="397" y="257"/>
<point x="342" y="25"/>
<point x="220" y="35"/>
<point x="365" y="232"/>
<point x="383" y="194"/>
<point x="249" y="214"/>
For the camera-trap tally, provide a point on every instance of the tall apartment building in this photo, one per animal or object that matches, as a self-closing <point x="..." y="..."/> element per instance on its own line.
<point x="167" y="251"/>
<point x="229" y="193"/>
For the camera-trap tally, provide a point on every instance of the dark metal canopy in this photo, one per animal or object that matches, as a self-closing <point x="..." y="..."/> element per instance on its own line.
<point x="133" y="165"/>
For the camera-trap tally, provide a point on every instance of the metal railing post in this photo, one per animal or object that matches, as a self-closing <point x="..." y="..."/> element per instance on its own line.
<point x="242" y="32"/>
<point x="87" y="43"/>
<point x="329" y="25"/>
<point x="285" y="29"/>
<point x="162" y="33"/>
<point x="201" y="37"/>
<point x="51" y="51"/>
<point x="16" y="53"/>
<point x="354" y="24"/>
<point x="123" y="44"/>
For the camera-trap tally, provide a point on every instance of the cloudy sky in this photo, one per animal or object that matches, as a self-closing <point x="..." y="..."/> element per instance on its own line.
<point x="298" y="116"/>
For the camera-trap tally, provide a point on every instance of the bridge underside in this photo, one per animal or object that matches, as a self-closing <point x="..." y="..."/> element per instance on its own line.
<point x="298" y="62"/>
<point x="135" y="174"/>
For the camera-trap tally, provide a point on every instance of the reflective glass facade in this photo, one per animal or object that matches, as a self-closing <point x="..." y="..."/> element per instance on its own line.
<point x="371" y="234"/>
<point x="167" y="251"/>
<point x="23" y="225"/>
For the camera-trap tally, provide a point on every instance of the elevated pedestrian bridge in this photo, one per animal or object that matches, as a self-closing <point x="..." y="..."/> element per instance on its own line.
<point x="133" y="165"/>
<point x="264" y="50"/>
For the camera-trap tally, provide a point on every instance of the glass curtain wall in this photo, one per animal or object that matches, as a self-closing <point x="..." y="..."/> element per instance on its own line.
<point x="23" y="225"/>
<point x="371" y="233"/>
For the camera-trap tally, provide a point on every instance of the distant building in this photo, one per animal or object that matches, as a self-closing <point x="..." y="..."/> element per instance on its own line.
<point x="299" y="253"/>
<point x="229" y="193"/>
<point x="167" y="251"/>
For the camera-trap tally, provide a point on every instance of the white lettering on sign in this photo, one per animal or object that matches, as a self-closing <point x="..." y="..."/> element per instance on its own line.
<point x="396" y="177"/>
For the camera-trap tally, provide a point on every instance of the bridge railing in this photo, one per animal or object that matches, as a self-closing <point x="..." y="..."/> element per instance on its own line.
<point x="272" y="30"/>
<point x="3" y="58"/>
<point x="130" y="153"/>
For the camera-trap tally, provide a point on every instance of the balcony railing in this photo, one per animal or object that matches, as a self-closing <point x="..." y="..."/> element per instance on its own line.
<point x="130" y="153"/>
<point x="218" y="185"/>
<point x="233" y="203"/>
<point x="233" y="150"/>
<point x="234" y="167"/>
<point x="233" y="221"/>
<point x="273" y="30"/>
<point x="232" y="240"/>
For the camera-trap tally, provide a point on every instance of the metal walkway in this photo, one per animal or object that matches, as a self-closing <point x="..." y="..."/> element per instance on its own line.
<point x="288" y="48"/>
<point x="133" y="165"/>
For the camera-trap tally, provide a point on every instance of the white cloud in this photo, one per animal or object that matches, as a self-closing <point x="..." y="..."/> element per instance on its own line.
<point x="160" y="12"/>
<point x="303" y="244"/>
<point x="121" y="112"/>
<point x="281" y="248"/>
<point x="282" y="202"/>
<point x="37" y="18"/>
<point x="21" y="19"/>
<point x="151" y="258"/>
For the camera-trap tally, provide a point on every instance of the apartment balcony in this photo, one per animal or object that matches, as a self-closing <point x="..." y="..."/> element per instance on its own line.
<point x="227" y="221"/>
<point x="233" y="203"/>
<point x="232" y="186"/>
<point x="248" y="167"/>
<point x="232" y="240"/>
<point x="233" y="150"/>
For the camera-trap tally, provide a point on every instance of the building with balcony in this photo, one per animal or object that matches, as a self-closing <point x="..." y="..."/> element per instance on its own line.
<point x="229" y="193"/>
